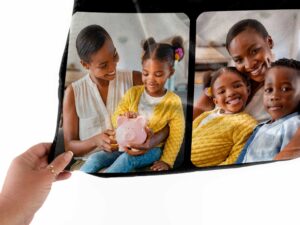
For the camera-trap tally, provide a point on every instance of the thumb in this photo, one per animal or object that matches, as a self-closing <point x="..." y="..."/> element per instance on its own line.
<point x="61" y="161"/>
<point x="148" y="131"/>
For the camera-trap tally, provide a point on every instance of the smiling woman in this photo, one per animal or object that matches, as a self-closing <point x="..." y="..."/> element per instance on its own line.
<point x="89" y="101"/>
<point x="157" y="105"/>
<point x="93" y="95"/>
<point x="249" y="45"/>
<point x="251" y="50"/>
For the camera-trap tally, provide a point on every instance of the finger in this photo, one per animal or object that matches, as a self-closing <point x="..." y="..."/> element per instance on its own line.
<point x="154" y="167"/>
<point x="159" y="168"/>
<point x="106" y="140"/>
<point x="35" y="155"/>
<point x="133" y="114"/>
<point x="114" y="147"/>
<point x="133" y="153"/>
<point x="43" y="162"/>
<point x="136" y="146"/>
<point x="110" y="132"/>
<point x="113" y="141"/>
<point x="126" y="148"/>
<point x="60" y="162"/>
<point x="156" y="162"/>
<point x="148" y="131"/>
<point x="129" y="152"/>
<point x="63" y="176"/>
<point x="107" y="147"/>
<point x="39" y="150"/>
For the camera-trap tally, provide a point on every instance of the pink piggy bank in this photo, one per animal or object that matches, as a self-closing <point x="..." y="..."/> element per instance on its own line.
<point x="130" y="131"/>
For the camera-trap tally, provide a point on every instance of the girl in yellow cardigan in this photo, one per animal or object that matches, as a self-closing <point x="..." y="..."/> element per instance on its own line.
<point x="219" y="135"/>
<point x="159" y="106"/>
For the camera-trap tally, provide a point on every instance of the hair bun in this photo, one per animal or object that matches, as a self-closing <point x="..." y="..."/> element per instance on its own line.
<point x="147" y="43"/>
<point x="177" y="42"/>
<point x="177" y="45"/>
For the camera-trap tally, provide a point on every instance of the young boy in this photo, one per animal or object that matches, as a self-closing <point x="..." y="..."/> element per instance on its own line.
<point x="281" y="100"/>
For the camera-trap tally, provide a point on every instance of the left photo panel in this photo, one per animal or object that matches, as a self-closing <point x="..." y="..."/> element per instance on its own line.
<point x="125" y="92"/>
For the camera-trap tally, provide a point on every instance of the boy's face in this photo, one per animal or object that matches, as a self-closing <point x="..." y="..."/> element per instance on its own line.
<point x="103" y="63"/>
<point x="154" y="76"/>
<point x="230" y="92"/>
<point x="282" y="91"/>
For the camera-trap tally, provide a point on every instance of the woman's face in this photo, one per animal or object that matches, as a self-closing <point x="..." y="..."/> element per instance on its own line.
<point x="251" y="53"/>
<point x="103" y="63"/>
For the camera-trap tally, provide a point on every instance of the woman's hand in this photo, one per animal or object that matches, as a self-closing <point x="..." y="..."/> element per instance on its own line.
<point x="106" y="141"/>
<point x="204" y="103"/>
<point x="160" y="166"/>
<point x="28" y="183"/>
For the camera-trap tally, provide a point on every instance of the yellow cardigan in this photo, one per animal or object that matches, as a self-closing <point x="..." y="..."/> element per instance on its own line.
<point x="220" y="140"/>
<point x="168" y="112"/>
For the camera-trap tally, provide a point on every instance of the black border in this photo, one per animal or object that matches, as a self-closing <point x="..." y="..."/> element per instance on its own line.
<point x="192" y="8"/>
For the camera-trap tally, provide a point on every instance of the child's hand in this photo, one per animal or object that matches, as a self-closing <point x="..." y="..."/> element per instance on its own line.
<point x="160" y="166"/>
<point x="134" y="152"/>
<point x="147" y="144"/>
<point x="130" y="114"/>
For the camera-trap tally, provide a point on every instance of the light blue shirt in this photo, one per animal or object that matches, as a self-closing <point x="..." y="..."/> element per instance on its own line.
<point x="268" y="139"/>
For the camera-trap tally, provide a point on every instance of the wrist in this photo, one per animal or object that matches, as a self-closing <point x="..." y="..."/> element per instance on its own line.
<point x="151" y="143"/>
<point x="94" y="142"/>
<point x="12" y="213"/>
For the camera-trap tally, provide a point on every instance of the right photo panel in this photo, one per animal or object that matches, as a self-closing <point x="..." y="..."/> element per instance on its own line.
<point x="247" y="87"/>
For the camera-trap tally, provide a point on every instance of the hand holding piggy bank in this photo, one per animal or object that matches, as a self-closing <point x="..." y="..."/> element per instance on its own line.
<point x="130" y="131"/>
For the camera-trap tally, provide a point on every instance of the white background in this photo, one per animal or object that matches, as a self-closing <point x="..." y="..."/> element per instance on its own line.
<point x="32" y="40"/>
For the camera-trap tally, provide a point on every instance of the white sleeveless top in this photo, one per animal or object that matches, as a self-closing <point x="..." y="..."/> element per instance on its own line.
<point x="94" y="116"/>
<point x="256" y="107"/>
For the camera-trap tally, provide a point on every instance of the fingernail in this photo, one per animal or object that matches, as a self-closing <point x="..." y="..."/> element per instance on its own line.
<point x="68" y="155"/>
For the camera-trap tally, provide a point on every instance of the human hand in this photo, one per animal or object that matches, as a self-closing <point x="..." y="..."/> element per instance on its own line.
<point x="106" y="141"/>
<point x="130" y="114"/>
<point x="134" y="152"/>
<point x="160" y="166"/>
<point x="28" y="183"/>
<point x="286" y="154"/>
<point x="291" y="150"/>
<point x="146" y="145"/>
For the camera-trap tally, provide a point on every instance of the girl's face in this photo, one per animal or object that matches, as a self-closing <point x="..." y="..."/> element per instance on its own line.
<point x="251" y="53"/>
<point x="230" y="92"/>
<point x="154" y="76"/>
<point x="282" y="91"/>
<point x="103" y="63"/>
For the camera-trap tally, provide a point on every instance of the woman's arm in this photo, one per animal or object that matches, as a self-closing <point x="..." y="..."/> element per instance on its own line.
<point x="203" y="104"/>
<point x="292" y="149"/>
<point x="71" y="130"/>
